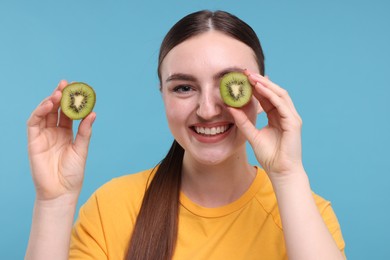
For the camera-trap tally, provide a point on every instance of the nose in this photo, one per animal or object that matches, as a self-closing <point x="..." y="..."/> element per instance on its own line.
<point x="210" y="104"/>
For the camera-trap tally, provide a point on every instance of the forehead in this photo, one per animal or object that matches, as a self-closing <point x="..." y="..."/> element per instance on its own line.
<point x="210" y="51"/>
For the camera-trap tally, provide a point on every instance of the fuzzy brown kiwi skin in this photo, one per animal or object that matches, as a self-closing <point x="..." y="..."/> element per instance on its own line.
<point x="72" y="112"/>
<point x="226" y="94"/>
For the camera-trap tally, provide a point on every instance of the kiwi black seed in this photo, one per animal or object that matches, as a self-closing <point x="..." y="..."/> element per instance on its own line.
<point x="78" y="100"/>
<point x="236" y="91"/>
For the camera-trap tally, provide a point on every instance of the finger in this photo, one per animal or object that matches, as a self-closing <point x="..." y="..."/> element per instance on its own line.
<point x="84" y="133"/>
<point x="284" y="95"/>
<point x="62" y="85"/>
<point x="281" y="92"/>
<point x="37" y="120"/>
<point x="274" y="101"/>
<point x="253" y="78"/>
<point x="264" y="103"/>
<point x="52" y="118"/>
<point x="243" y="123"/>
<point x="65" y="121"/>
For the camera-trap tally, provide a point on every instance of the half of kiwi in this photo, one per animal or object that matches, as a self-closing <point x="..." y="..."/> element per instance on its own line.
<point x="236" y="91"/>
<point x="78" y="100"/>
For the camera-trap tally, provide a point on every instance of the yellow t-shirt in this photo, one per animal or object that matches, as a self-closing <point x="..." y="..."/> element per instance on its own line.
<point x="248" y="228"/>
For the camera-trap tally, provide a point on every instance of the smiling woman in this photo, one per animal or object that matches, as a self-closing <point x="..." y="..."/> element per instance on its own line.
<point x="204" y="200"/>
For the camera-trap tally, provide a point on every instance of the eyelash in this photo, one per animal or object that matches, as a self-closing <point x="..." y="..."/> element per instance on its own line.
<point x="182" y="89"/>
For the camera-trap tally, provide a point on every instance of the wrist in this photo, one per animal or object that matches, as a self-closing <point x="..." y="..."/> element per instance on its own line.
<point x="65" y="201"/>
<point x="293" y="178"/>
<point x="51" y="228"/>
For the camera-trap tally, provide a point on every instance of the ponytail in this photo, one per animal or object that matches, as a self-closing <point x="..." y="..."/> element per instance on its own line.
<point x="155" y="231"/>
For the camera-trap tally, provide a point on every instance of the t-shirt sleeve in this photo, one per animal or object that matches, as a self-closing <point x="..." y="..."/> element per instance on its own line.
<point x="87" y="240"/>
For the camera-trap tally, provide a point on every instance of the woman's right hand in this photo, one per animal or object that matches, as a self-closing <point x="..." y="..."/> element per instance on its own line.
<point x="57" y="160"/>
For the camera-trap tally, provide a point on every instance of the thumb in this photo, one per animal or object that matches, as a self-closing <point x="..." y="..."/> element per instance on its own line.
<point x="243" y="123"/>
<point x="84" y="134"/>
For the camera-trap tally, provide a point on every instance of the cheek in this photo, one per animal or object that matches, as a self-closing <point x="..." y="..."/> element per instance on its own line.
<point x="174" y="118"/>
<point x="170" y="111"/>
<point x="176" y="110"/>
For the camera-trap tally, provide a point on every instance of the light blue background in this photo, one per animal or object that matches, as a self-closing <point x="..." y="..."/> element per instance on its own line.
<point x="332" y="56"/>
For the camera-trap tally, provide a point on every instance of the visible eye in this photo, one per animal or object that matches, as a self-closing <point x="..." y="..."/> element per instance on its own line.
<point x="182" y="89"/>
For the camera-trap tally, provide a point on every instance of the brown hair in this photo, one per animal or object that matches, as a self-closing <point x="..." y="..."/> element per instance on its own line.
<point x="155" y="232"/>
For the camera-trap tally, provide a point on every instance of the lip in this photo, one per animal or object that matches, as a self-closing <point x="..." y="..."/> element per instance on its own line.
<point x="210" y="134"/>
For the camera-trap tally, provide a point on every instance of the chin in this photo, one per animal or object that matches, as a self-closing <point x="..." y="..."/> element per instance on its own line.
<point x="210" y="158"/>
<point x="214" y="154"/>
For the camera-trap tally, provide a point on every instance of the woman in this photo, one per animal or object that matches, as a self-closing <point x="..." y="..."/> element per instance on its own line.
<point x="204" y="200"/>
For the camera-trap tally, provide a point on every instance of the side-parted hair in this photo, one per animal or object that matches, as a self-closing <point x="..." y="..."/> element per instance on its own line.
<point x="156" y="228"/>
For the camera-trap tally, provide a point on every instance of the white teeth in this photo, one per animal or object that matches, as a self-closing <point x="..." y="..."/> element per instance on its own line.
<point x="212" y="130"/>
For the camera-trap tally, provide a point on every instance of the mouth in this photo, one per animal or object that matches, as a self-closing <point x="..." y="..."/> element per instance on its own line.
<point x="211" y="131"/>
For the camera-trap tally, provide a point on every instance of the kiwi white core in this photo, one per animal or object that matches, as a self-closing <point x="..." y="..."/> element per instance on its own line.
<point x="78" y="101"/>
<point x="236" y="90"/>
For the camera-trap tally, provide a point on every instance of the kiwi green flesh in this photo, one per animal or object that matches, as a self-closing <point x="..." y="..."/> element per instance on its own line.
<point x="236" y="91"/>
<point x="78" y="100"/>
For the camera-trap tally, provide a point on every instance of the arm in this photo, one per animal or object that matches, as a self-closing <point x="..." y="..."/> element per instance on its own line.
<point x="306" y="235"/>
<point x="277" y="147"/>
<point x="50" y="230"/>
<point x="57" y="165"/>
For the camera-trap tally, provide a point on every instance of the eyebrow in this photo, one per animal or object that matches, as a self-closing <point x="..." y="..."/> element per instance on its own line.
<point x="226" y="71"/>
<point x="180" y="76"/>
<point x="188" y="77"/>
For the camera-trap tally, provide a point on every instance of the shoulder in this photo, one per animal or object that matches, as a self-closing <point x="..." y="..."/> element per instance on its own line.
<point x="120" y="198"/>
<point x="106" y="220"/>
<point x="124" y="188"/>
<point x="130" y="182"/>
<point x="267" y="199"/>
<point x="122" y="195"/>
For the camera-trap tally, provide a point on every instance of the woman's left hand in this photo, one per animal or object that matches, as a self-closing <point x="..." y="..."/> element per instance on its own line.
<point x="277" y="146"/>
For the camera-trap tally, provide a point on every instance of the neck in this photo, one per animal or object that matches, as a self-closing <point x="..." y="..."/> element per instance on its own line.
<point x="218" y="184"/>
